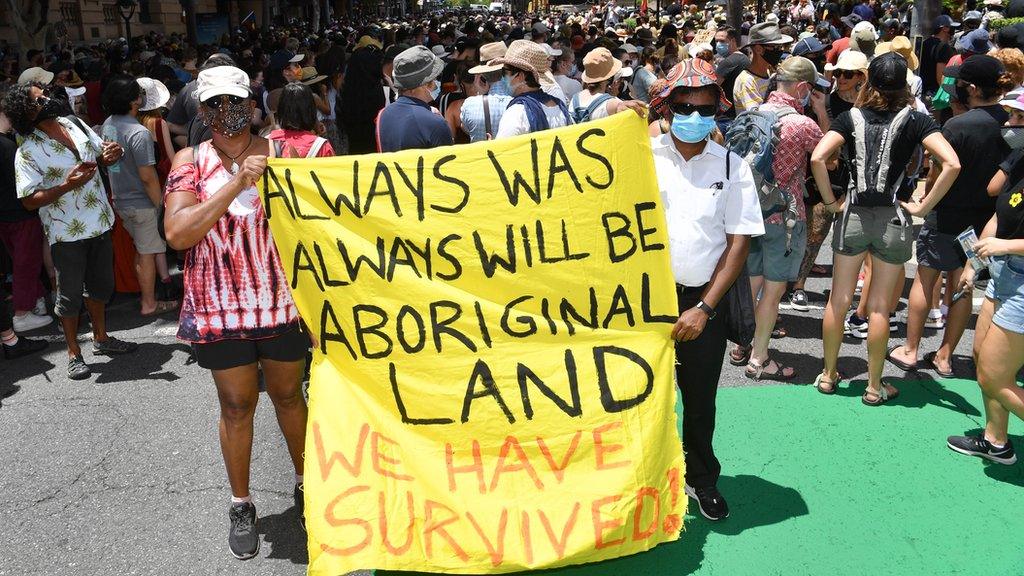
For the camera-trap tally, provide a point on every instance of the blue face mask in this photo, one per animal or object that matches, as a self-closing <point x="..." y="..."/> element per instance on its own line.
<point x="722" y="49"/>
<point x="692" y="128"/>
<point x="502" y="87"/>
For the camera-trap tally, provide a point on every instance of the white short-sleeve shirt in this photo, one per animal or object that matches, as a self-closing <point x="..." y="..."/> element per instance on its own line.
<point x="702" y="205"/>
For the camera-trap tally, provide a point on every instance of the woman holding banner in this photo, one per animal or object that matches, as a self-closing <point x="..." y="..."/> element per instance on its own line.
<point x="237" y="311"/>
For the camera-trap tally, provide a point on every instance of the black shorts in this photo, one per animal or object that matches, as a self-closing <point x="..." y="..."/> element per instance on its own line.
<point x="291" y="346"/>
<point x="939" y="251"/>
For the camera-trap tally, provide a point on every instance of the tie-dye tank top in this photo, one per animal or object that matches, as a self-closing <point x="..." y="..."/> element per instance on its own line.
<point x="235" y="287"/>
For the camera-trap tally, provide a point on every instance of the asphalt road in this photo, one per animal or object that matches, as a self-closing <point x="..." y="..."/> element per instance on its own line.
<point x="121" y="474"/>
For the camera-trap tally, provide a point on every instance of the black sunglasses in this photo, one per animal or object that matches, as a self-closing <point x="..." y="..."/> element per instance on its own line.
<point x="847" y="74"/>
<point x="215" y="101"/>
<point x="684" y="109"/>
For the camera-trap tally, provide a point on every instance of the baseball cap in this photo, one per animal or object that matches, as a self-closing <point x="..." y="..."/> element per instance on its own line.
<point x="809" y="45"/>
<point x="220" y="81"/>
<point x="851" y="19"/>
<point x="800" y="69"/>
<point x="1013" y="100"/>
<point x="975" y="41"/>
<point x="972" y="15"/>
<point x="979" y="69"/>
<point x="539" y="28"/>
<point x="415" y="67"/>
<point x="35" y="74"/>
<point x="945" y="21"/>
<point x="888" y="72"/>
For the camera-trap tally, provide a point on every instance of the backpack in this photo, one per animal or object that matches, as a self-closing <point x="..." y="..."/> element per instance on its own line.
<point x="872" y="160"/>
<point x="754" y="136"/>
<point x="584" y="113"/>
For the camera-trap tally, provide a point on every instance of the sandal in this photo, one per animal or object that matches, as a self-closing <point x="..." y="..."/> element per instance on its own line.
<point x="819" y="270"/>
<point x="740" y="355"/>
<point x="769" y="370"/>
<point x="883" y="396"/>
<point x="162" y="307"/>
<point x="779" y="331"/>
<point x="832" y="384"/>
<point x="899" y="363"/>
<point x="930" y="359"/>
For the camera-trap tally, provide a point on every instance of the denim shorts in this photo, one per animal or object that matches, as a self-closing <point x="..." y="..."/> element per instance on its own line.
<point x="768" y="253"/>
<point x="1007" y="288"/>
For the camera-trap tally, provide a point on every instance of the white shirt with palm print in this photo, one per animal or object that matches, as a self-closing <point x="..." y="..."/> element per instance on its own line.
<point x="42" y="162"/>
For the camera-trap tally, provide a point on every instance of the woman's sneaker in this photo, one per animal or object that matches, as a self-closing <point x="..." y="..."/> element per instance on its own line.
<point x="935" y="319"/>
<point x="243" y="541"/>
<point x="978" y="446"/>
<point x="856" y="327"/>
<point x="798" y="301"/>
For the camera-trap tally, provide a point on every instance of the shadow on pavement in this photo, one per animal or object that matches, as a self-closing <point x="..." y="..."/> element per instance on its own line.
<point x="286" y="539"/>
<point x="1012" y="474"/>
<point x="917" y="393"/>
<point x="147" y="363"/>
<point x="754" y="502"/>
<point x="26" y="367"/>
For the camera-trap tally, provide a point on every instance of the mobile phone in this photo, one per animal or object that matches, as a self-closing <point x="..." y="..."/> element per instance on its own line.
<point x="957" y="296"/>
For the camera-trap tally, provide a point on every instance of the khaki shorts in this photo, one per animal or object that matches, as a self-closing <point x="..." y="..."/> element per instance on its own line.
<point x="141" y="224"/>
<point x="878" y="229"/>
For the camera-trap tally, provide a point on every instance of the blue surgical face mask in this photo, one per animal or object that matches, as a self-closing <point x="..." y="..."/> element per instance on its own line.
<point x="435" y="91"/>
<point x="501" y="87"/>
<point x="692" y="128"/>
<point x="806" y="100"/>
<point x="722" y="49"/>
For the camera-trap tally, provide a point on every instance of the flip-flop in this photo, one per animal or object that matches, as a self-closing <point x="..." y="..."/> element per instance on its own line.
<point x="162" y="307"/>
<point x="930" y="359"/>
<point x="779" y="332"/>
<point x="899" y="363"/>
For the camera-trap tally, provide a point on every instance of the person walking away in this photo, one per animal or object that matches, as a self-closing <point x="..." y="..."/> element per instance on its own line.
<point x="56" y="172"/>
<point x="775" y="257"/>
<point x="210" y="200"/>
<point x="362" y="96"/>
<point x="766" y="46"/>
<point x="936" y="50"/>
<point x="187" y="129"/>
<point x="151" y="115"/>
<point x="297" y="120"/>
<point x="135" y="187"/>
<point x="22" y="236"/>
<point x="874" y="217"/>
<point x="411" y="122"/>
<point x="712" y="210"/>
<point x="594" y="102"/>
<point x="980" y="83"/>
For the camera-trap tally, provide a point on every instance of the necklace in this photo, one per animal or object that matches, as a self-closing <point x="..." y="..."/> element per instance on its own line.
<point x="234" y="164"/>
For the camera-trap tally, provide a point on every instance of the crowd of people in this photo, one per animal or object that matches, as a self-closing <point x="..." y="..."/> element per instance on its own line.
<point x="124" y="160"/>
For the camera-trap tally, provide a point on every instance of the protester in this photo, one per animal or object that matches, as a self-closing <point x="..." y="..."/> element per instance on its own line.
<point x="411" y="122"/>
<point x="935" y="52"/>
<point x="531" y="108"/>
<point x="211" y="199"/>
<point x="875" y="216"/>
<point x="595" y="101"/>
<point x="362" y="96"/>
<point x="766" y="45"/>
<point x="56" y="173"/>
<point x="136" y="187"/>
<point x="296" y="135"/>
<point x="481" y="114"/>
<point x="709" y="236"/>
<point x="183" y="120"/>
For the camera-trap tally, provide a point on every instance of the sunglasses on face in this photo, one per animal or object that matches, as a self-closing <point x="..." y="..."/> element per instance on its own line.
<point x="684" y="109"/>
<point x="216" y="101"/>
<point x="847" y="74"/>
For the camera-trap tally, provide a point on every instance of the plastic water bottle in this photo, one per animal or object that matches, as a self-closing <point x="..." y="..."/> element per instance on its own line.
<point x="110" y="135"/>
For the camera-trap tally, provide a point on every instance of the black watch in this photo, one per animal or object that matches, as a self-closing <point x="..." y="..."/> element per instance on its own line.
<point x="706" y="309"/>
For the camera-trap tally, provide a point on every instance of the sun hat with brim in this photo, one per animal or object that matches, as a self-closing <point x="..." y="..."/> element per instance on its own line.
<point x="222" y="81"/>
<point x="552" y="52"/>
<point x="155" y="93"/>
<point x="35" y="74"/>
<point x="415" y="67"/>
<point x="367" y="40"/>
<point x="488" y="52"/>
<point x="1014" y="100"/>
<point x="694" y="73"/>
<point x="525" y="55"/>
<point x="767" y="33"/>
<point x="439" y="51"/>
<point x="800" y="69"/>
<point x="599" y="65"/>
<point x="902" y="46"/>
<point x="310" y="76"/>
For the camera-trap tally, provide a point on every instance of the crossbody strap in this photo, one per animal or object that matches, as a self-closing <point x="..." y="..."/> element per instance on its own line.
<point x="487" y="115"/>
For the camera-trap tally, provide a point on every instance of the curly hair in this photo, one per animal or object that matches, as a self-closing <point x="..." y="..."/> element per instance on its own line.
<point x="1013" y="61"/>
<point x="21" y="108"/>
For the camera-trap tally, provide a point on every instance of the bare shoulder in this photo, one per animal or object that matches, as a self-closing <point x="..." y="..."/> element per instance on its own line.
<point x="184" y="156"/>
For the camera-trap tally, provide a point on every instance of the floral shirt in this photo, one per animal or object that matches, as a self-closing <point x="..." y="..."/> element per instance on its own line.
<point x="235" y="286"/>
<point x="42" y="162"/>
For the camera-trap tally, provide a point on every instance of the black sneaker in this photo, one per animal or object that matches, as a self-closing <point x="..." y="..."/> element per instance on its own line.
<point x="300" y="505"/>
<point x="77" y="368"/>
<point x="24" y="347"/>
<point x="243" y="541"/>
<point x="978" y="446"/>
<point x="798" y="301"/>
<point x="712" y="504"/>
<point x="112" y="346"/>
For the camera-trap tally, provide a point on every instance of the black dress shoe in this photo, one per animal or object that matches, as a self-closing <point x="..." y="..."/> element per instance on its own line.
<point x="24" y="347"/>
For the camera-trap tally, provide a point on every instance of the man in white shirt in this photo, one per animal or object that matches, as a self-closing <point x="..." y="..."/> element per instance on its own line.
<point x="712" y="210"/>
<point x="563" y="70"/>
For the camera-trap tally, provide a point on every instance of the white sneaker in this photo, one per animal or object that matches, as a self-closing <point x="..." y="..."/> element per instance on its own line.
<point x="30" y="321"/>
<point x="40" y="309"/>
<point x="935" y="319"/>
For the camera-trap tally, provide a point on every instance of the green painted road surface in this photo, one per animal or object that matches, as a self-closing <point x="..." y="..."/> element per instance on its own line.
<point x="823" y="485"/>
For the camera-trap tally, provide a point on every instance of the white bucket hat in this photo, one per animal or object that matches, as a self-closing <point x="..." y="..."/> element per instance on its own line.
<point x="156" y="94"/>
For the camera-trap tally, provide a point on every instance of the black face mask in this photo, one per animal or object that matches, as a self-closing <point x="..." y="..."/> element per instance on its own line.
<point x="772" y="57"/>
<point x="962" y="95"/>
<point x="51" y="108"/>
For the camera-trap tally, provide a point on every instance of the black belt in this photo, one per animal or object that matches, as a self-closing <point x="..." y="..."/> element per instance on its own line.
<point x="690" y="290"/>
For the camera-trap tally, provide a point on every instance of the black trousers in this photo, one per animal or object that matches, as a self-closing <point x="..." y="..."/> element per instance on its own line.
<point x="698" y="368"/>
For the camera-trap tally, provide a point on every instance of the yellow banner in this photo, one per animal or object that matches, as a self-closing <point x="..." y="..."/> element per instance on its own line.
<point x="492" y="389"/>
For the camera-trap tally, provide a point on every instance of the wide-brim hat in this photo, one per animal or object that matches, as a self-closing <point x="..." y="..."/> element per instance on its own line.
<point x="902" y="46"/>
<point x="852" y="60"/>
<point x="1014" y="100"/>
<point x="767" y="33"/>
<point x="310" y="76"/>
<point x="693" y="73"/>
<point x="415" y="67"/>
<point x="599" y="65"/>
<point x="525" y="55"/>
<point x="156" y="95"/>
<point x="488" y="52"/>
